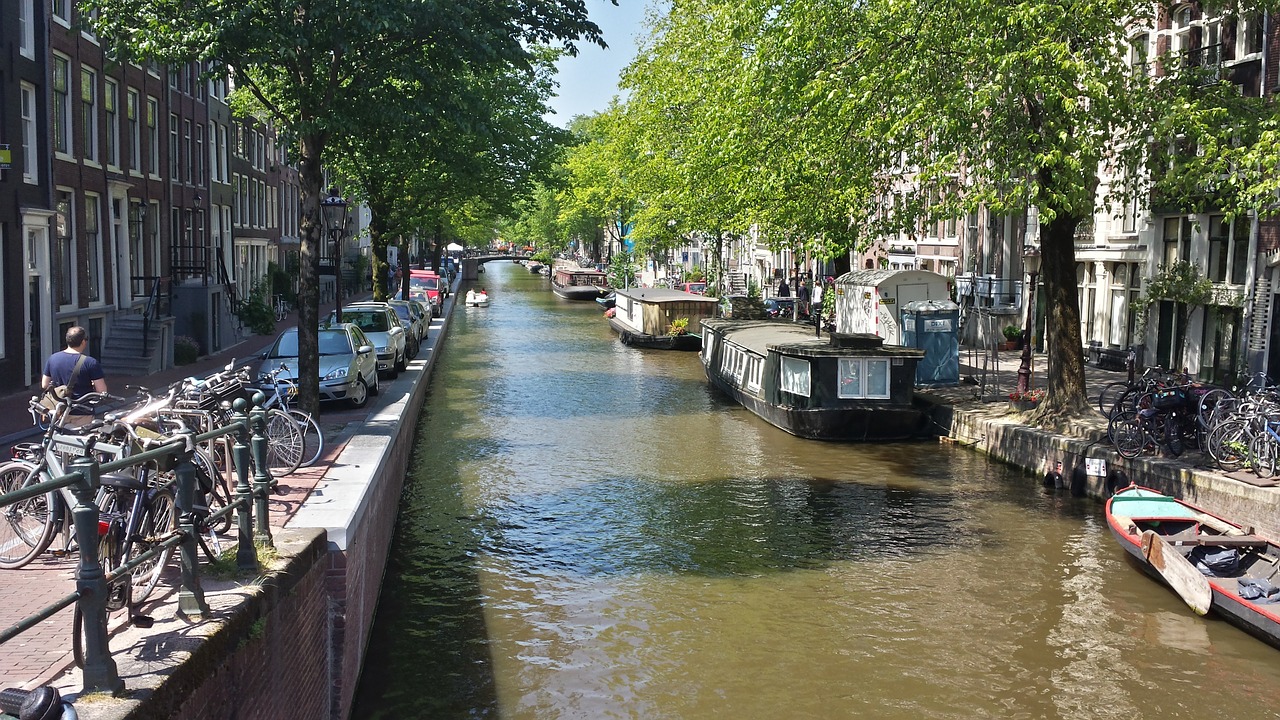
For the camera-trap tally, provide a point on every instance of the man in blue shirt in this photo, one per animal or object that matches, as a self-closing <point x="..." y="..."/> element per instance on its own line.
<point x="61" y="367"/>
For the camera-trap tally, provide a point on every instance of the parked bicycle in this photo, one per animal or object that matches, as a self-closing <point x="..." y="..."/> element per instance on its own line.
<point x="281" y="391"/>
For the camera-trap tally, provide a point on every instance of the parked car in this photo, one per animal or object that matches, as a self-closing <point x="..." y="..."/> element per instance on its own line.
<point x="415" y="321"/>
<point x="426" y="285"/>
<point x="697" y="288"/>
<point x="382" y="326"/>
<point x="348" y="363"/>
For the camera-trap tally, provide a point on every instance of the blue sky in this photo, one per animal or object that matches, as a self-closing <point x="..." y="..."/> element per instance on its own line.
<point x="590" y="80"/>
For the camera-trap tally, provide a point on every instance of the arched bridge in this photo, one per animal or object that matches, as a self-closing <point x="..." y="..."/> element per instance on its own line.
<point x="471" y="263"/>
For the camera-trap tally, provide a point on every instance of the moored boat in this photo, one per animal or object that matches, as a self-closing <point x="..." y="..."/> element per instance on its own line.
<point x="573" y="283"/>
<point x="1165" y="535"/>
<point x="841" y="387"/>
<point x="534" y="267"/>
<point x="660" y="318"/>
<point x="607" y="301"/>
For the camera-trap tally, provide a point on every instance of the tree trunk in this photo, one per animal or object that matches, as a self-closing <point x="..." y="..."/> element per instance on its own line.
<point x="378" y="242"/>
<point x="311" y="179"/>
<point x="1066" y="388"/>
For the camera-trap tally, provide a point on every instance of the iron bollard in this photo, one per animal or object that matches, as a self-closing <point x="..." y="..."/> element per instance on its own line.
<point x="191" y="600"/>
<point x="100" y="673"/>
<point x="246" y="553"/>
<point x="262" y="480"/>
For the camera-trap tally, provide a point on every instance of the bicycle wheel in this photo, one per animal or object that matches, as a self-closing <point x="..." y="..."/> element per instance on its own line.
<point x="1110" y="396"/>
<point x="284" y="443"/>
<point x="1128" y="434"/>
<point x="312" y="438"/>
<point x="1172" y="435"/>
<point x="159" y="519"/>
<point x="26" y="528"/>
<point x="1263" y="451"/>
<point x="1208" y="404"/>
<point x="1228" y="444"/>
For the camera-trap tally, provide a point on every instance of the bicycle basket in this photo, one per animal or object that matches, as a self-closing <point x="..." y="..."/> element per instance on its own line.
<point x="210" y="397"/>
<point x="1169" y="399"/>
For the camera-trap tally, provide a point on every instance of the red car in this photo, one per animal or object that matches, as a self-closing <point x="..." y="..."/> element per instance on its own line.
<point x="425" y="285"/>
<point x="697" y="288"/>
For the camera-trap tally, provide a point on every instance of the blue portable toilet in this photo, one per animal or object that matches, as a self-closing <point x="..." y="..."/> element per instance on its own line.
<point x="933" y="326"/>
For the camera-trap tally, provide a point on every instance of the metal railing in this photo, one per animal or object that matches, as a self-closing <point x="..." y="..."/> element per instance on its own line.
<point x="151" y="311"/>
<point x="92" y="582"/>
<point x="990" y="291"/>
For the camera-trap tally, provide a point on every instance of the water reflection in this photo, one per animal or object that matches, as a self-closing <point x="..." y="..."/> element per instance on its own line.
<point x="590" y="532"/>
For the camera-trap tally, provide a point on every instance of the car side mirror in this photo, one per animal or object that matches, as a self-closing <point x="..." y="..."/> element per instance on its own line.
<point x="364" y="349"/>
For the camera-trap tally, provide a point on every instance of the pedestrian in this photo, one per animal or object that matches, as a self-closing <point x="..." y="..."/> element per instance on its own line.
<point x="784" y="290"/>
<point x="817" y="297"/>
<point x="1053" y="478"/>
<point x="80" y="373"/>
<point x="802" y="298"/>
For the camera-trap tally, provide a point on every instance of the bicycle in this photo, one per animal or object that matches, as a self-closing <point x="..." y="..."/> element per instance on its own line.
<point x="30" y="527"/>
<point x="281" y="308"/>
<point x="212" y="396"/>
<point x="281" y="392"/>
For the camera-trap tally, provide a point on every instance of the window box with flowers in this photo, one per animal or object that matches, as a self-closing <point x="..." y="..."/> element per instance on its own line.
<point x="1028" y="400"/>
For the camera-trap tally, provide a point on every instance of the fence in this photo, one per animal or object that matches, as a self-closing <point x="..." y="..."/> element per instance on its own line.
<point x="92" y="583"/>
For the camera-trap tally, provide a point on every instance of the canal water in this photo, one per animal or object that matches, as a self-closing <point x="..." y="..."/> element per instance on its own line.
<point x="589" y="531"/>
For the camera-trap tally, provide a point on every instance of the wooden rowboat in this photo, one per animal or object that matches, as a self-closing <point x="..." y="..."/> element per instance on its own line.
<point x="1213" y="564"/>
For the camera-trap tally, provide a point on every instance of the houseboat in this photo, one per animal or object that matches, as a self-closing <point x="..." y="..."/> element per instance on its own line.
<point x="847" y="387"/>
<point x="660" y="318"/>
<point x="573" y="283"/>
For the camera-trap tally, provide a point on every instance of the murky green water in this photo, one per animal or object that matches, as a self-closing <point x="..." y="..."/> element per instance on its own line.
<point x="591" y="532"/>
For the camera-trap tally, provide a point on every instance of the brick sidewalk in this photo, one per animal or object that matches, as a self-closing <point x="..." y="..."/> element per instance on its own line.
<point x="43" y="652"/>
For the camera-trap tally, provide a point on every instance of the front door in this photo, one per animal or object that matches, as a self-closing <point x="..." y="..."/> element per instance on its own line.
<point x="38" y="320"/>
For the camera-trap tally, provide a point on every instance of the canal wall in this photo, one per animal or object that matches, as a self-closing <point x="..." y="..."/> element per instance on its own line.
<point x="1004" y="435"/>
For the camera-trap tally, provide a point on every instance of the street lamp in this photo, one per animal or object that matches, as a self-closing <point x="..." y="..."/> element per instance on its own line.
<point x="334" y="210"/>
<point x="1030" y="261"/>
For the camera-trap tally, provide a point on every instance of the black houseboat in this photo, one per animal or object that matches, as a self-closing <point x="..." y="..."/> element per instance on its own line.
<point x="573" y="283"/>
<point x="840" y="387"/>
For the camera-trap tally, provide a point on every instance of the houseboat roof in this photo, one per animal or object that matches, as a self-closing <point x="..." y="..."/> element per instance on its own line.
<point x="759" y="336"/>
<point x="879" y="276"/>
<point x="663" y="295"/>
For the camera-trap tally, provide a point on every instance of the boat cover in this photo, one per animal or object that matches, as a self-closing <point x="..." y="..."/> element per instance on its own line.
<point x="1139" y="503"/>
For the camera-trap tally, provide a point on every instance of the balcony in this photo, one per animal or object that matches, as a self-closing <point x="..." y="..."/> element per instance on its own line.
<point x="1204" y="64"/>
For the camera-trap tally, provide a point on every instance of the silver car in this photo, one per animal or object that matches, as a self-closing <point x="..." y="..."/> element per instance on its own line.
<point x="382" y="326"/>
<point x="348" y="365"/>
<point x="415" y="321"/>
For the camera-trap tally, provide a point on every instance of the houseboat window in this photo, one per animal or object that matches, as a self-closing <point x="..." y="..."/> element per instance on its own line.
<point x="864" y="378"/>
<point x="708" y="345"/>
<point x="795" y="376"/>
<point x="754" y="370"/>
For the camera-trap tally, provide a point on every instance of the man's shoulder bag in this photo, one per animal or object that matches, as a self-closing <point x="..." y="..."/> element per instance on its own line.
<point x="55" y="394"/>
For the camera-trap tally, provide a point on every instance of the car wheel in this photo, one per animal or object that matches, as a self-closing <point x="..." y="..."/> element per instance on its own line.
<point x="413" y="350"/>
<point x="402" y="363"/>
<point x="359" y="397"/>
<point x="376" y="387"/>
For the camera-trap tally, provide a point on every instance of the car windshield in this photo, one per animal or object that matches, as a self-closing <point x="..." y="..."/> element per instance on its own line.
<point x="367" y="321"/>
<point x="334" y="342"/>
<point x="429" y="283"/>
<point x="286" y="346"/>
<point x="403" y="312"/>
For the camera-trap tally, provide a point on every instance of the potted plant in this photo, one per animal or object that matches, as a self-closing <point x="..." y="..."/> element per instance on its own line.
<point x="1028" y="400"/>
<point x="679" y="326"/>
<point x="1012" y="337"/>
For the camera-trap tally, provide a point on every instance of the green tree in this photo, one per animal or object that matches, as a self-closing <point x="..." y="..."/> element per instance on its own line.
<point x="312" y="67"/>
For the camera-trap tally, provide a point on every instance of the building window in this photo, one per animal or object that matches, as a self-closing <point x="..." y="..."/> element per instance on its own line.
<point x="65" y="259"/>
<point x="1180" y="28"/>
<point x="1177" y="240"/>
<point x="30" y="138"/>
<point x="1249" y="35"/>
<point x="187" y="153"/>
<point x="61" y="105"/>
<point x="1228" y="249"/>
<point x="795" y="376"/>
<point x="89" y="112"/>
<point x="62" y="11"/>
<point x="93" y="246"/>
<point x="135" y="132"/>
<point x="26" y="28"/>
<point x="153" y="136"/>
<point x="173" y="148"/>
<point x="198" y="155"/>
<point x="224" y="174"/>
<point x="109" y="100"/>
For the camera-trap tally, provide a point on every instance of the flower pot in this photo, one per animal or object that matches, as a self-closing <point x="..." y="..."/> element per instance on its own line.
<point x="1005" y="346"/>
<point x="1023" y="405"/>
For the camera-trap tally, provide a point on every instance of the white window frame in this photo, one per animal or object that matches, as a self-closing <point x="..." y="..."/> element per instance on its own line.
<point x="796" y="376"/>
<point x="174" y="151"/>
<point x="62" y="12"/>
<point x="860" y="388"/>
<point x="65" y="239"/>
<point x="30" y="135"/>
<point x="27" y="29"/>
<point x="153" y="137"/>
<point x="1246" y="25"/>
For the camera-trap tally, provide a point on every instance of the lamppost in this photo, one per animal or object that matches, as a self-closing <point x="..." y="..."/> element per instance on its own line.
<point x="334" y="210"/>
<point x="1030" y="261"/>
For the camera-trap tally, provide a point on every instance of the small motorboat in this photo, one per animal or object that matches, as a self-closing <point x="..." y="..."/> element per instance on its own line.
<point x="477" y="299"/>
<point x="607" y="301"/>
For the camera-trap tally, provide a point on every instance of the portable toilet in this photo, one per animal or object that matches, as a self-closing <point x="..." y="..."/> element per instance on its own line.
<point x="871" y="301"/>
<point x="933" y="326"/>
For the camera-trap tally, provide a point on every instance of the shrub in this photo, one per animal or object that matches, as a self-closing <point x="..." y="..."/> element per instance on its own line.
<point x="186" y="350"/>
<point x="256" y="313"/>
